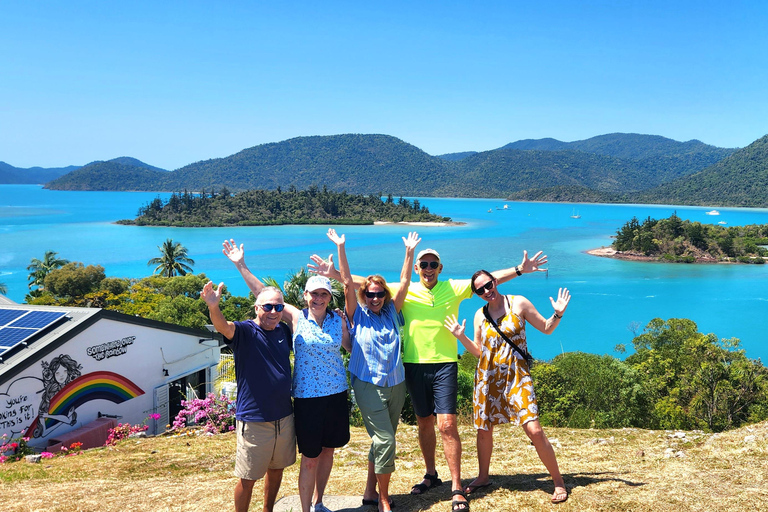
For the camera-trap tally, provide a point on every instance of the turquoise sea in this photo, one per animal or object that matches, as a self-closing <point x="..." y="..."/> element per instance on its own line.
<point x="611" y="298"/>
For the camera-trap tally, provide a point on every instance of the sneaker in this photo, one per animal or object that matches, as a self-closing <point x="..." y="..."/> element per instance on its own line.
<point x="319" y="507"/>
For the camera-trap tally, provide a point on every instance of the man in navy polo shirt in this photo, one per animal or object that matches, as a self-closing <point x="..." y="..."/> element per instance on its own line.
<point x="265" y="432"/>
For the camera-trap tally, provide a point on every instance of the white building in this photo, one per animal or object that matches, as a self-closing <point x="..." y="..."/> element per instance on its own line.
<point x="62" y="368"/>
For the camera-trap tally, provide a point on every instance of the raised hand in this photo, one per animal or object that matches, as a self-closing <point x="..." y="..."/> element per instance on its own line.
<point x="210" y="296"/>
<point x="322" y="267"/>
<point x="235" y="254"/>
<point x="563" y="298"/>
<point x="412" y="241"/>
<point x="336" y="239"/>
<point x="456" y="328"/>
<point x="533" y="264"/>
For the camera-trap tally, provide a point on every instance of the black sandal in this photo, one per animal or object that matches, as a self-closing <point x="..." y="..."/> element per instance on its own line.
<point x="433" y="480"/>
<point x="459" y="506"/>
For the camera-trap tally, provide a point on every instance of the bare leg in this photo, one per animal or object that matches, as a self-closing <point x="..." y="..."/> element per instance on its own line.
<point x="324" y="466"/>
<point x="307" y="472"/>
<point x="383" y="480"/>
<point x="546" y="454"/>
<point x="427" y="443"/>
<point x="243" y="492"/>
<point x="449" y="432"/>
<point x="272" y="481"/>
<point x="370" y="484"/>
<point x="484" y="451"/>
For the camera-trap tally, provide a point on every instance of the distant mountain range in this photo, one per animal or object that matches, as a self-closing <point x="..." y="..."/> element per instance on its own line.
<point x="39" y="175"/>
<point x="608" y="168"/>
<point x="10" y="175"/>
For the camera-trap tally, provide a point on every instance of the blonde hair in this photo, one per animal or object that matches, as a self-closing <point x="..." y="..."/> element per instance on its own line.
<point x="377" y="279"/>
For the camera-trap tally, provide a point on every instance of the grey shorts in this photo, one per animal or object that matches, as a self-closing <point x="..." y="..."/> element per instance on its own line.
<point x="263" y="445"/>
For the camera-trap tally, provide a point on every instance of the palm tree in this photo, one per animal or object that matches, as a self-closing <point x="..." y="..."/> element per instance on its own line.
<point x="41" y="268"/>
<point x="3" y="288"/>
<point x="173" y="260"/>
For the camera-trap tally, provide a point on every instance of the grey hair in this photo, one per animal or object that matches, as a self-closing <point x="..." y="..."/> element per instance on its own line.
<point x="270" y="289"/>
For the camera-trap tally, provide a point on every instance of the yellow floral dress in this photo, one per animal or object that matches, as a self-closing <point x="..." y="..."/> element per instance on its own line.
<point x="503" y="386"/>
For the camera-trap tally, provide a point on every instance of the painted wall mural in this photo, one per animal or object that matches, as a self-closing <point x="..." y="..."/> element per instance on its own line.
<point x="62" y="389"/>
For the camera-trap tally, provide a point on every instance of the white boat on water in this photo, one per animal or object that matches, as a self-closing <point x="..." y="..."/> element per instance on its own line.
<point x="722" y="222"/>
<point x="575" y="214"/>
<point x="712" y="212"/>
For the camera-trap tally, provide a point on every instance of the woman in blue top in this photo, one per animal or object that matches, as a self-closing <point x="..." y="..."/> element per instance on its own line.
<point x="376" y="365"/>
<point x="320" y="407"/>
<point x="320" y="411"/>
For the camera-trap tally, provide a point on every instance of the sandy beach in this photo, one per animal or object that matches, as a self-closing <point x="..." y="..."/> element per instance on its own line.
<point x="428" y="224"/>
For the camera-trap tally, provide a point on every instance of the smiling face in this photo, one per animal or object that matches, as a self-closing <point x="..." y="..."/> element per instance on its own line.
<point x="318" y="300"/>
<point x="380" y="295"/>
<point x="432" y="268"/>
<point x="484" y="286"/>
<point x="268" y="320"/>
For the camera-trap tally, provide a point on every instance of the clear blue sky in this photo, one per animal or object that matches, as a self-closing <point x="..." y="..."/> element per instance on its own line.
<point x="173" y="82"/>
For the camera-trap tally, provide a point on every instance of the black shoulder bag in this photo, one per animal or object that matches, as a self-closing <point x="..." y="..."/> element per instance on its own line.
<point x="528" y="357"/>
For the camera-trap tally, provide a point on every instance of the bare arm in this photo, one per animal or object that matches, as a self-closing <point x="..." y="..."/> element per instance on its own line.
<point x="211" y="298"/>
<point x="237" y="256"/>
<point x="350" y="300"/>
<point x="528" y="265"/>
<point x="325" y="268"/>
<point x="346" y="339"/>
<point x="399" y="293"/>
<point x="533" y="317"/>
<point x="458" y="330"/>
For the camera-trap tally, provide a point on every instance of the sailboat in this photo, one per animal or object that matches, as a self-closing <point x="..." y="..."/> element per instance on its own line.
<point x="575" y="214"/>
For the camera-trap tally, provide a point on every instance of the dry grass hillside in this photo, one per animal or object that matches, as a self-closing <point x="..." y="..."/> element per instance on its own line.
<point x="622" y="470"/>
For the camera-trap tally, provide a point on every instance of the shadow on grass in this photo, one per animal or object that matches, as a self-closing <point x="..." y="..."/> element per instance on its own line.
<point x="538" y="482"/>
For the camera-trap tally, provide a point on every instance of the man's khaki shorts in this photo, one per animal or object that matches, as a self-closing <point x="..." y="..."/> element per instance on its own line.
<point x="264" y="445"/>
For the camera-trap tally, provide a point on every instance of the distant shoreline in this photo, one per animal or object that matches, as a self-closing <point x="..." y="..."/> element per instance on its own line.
<point x="610" y="252"/>
<point x="427" y="224"/>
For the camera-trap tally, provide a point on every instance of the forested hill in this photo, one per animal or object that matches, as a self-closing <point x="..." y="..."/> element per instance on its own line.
<point x="34" y="175"/>
<point x="262" y="207"/>
<point x="609" y="167"/>
<point x="658" y="158"/>
<point x="110" y="175"/>
<point x="738" y="180"/>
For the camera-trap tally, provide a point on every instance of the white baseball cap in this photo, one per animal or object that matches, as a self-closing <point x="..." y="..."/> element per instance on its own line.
<point x="317" y="283"/>
<point x="428" y="251"/>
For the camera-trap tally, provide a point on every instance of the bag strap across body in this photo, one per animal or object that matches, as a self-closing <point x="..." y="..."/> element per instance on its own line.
<point x="528" y="358"/>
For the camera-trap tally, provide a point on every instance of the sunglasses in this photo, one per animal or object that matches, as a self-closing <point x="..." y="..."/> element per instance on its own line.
<point x="375" y="295"/>
<point x="485" y="288"/>
<point x="431" y="264"/>
<point x="270" y="307"/>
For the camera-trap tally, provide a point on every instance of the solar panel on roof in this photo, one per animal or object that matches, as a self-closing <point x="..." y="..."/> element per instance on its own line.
<point x="18" y="325"/>
<point x="37" y="319"/>
<point x="10" y="336"/>
<point x="9" y="315"/>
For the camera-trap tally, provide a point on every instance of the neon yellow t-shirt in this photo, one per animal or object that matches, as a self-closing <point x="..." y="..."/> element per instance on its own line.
<point x="425" y="338"/>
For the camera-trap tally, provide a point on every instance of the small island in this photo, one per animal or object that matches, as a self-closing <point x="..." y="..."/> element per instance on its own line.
<point x="278" y="207"/>
<point x="681" y="241"/>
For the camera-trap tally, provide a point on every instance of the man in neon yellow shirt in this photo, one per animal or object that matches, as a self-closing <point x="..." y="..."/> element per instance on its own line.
<point x="430" y="356"/>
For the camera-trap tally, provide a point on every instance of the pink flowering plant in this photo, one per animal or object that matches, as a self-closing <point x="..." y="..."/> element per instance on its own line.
<point x="14" y="449"/>
<point x="124" y="430"/>
<point x="215" y="413"/>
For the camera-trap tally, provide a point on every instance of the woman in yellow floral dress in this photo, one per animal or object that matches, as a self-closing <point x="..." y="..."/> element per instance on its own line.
<point x="503" y="387"/>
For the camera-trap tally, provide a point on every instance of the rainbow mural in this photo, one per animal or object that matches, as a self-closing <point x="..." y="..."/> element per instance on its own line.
<point x="91" y="386"/>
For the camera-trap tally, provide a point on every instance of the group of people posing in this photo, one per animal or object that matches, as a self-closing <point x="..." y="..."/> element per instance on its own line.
<point x="401" y="336"/>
